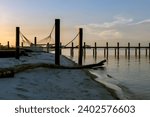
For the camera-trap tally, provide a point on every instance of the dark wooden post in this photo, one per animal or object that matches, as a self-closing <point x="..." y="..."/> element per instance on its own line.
<point x="146" y="52"/>
<point x="47" y="47"/>
<point x="139" y="50"/>
<point x="149" y="50"/>
<point x="17" y="41"/>
<point x="8" y="44"/>
<point x="35" y="40"/>
<point x="135" y="51"/>
<point x="118" y="50"/>
<point x="107" y="49"/>
<point x="84" y="50"/>
<point x="57" y="41"/>
<point x="128" y="50"/>
<point x="22" y="44"/>
<point x="80" y="46"/>
<point x="95" y="50"/>
<point x="72" y="50"/>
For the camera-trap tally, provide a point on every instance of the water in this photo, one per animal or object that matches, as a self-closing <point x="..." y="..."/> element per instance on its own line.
<point x="126" y="78"/>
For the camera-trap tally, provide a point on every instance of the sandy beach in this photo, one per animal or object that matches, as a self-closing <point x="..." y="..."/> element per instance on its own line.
<point x="48" y="83"/>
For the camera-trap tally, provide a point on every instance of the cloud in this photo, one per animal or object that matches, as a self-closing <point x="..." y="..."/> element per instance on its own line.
<point x="124" y="29"/>
<point x="115" y="22"/>
<point x="141" y="22"/>
<point x="110" y="34"/>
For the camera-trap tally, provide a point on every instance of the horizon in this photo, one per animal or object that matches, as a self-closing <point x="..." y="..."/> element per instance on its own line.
<point x="102" y="20"/>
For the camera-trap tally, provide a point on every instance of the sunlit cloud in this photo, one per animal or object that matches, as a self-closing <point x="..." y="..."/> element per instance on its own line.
<point x="141" y="22"/>
<point x="119" y="28"/>
<point x="110" y="34"/>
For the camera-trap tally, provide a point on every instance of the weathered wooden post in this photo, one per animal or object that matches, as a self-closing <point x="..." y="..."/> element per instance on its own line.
<point x="57" y="41"/>
<point x="149" y="50"/>
<point x="107" y="49"/>
<point x="35" y="41"/>
<point x="118" y="50"/>
<point x="22" y="44"/>
<point x="146" y="52"/>
<point x="80" y="46"/>
<point x="17" y="42"/>
<point x="139" y="50"/>
<point x="135" y="51"/>
<point x="47" y="47"/>
<point x="72" y="50"/>
<point x="128" y="50"/>
<point x="84" y="50"/>
<point x="8" y="44"/>
<point x="95" y="50"/>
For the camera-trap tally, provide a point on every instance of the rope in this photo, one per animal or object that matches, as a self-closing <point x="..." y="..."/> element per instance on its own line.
<point x="49" y="36"/>
<point x="72" y="40"/>
<point x="27" y="40"/>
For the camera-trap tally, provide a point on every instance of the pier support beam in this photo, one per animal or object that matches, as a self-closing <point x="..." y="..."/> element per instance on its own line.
<point x="17" y="42"/>
<point x="72" y="50"/>
<point x="35" y="41"/>
<point x="47" y="47"/>
<point x="57" y="41"/>
<point x="107" y="50"/>
<point x="149" y="50"/>
<point x="139" y="50"/>
<point x="80" y="46"/>
<point x="118" y="50"/>
<point x="8" y="45"/>
<point x="95" y="56"/>
<point x="128" y="50"/>
<point x="84" y="50"/>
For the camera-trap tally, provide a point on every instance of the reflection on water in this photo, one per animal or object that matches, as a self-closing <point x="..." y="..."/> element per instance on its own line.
<point x="132" y="72"/>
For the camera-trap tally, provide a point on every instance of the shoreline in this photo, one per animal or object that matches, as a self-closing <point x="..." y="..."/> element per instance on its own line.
<point x="93" y="77"/>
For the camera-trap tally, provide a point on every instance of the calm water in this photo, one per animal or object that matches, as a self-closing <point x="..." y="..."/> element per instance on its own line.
<point x="129" y="78"/>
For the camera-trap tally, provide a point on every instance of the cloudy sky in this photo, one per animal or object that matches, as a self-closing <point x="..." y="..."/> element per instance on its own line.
<point x="103" y="20"/>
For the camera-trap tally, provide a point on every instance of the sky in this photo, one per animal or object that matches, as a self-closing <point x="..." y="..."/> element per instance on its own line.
<point x="102" y="20"/>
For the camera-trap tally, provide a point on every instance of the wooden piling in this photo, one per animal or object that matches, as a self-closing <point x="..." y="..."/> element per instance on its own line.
<point x="47" y="47"/>
<point x="95" y="50"/>
<point x="22" y="44"/>
<point x="139" y="50"/>
<point x="146" y="52"/>
<point x="84" y="50"/>
<point x="35" y="41"/>
<point x="128" y="50"/>
<point x="135" y="52"/>
<point x="149" y="50"/>
<point x="17" y="42"/>
<point x="107" y="50"/>
<point x="57" y="41"/>
<point x="80" y="46"/>
<point x="72" y="50"/>
<point x="118" y="50"/>
<point x="8" y="45"/>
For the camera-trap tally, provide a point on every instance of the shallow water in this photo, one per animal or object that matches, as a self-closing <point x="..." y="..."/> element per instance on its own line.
<point x="129" y="78"/>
